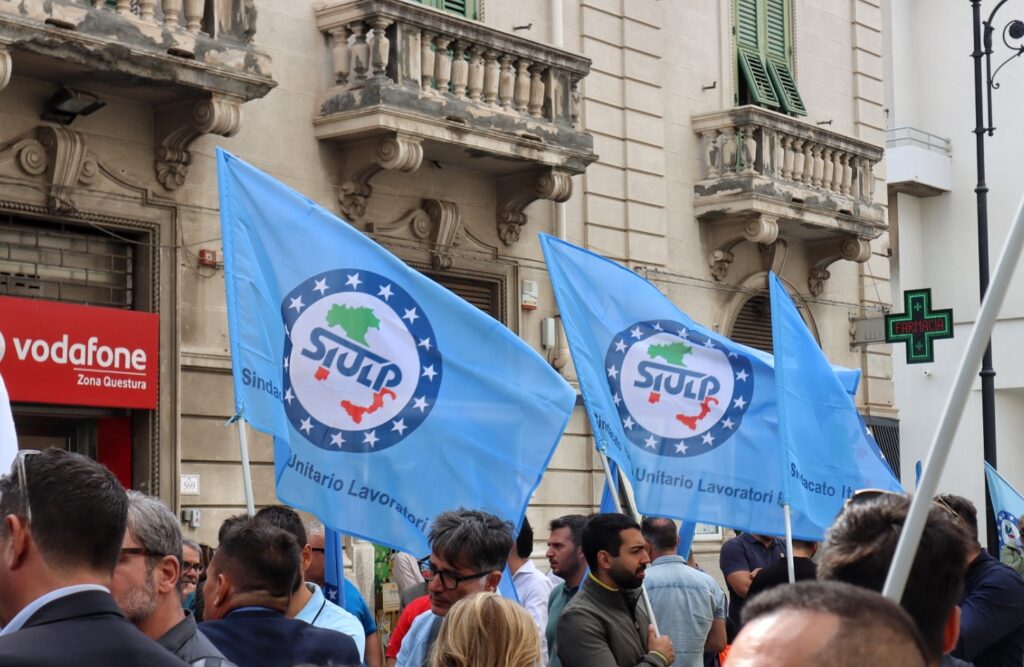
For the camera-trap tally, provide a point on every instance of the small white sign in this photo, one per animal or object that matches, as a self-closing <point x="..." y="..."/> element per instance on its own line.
<point x="190" y="485"/>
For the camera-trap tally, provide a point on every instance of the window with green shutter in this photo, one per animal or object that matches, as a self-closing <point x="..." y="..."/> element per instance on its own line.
<point x="465" y="8"/>
<point x="764" y="54"/>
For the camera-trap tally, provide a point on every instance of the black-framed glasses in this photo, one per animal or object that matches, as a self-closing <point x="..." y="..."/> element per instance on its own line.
<point x="449" y="580"/>
<point x="140" y="551"/>
<point x="318" y="550"/>
<point x="19" y="461"/>
<point x="186" y="566"/>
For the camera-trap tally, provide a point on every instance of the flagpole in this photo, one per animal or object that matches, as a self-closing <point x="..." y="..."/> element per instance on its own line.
<point x="631" y="506"/>
<point x="243" y="447"/>
<point x="790" y="566"/>
<point x="913" y="527"/>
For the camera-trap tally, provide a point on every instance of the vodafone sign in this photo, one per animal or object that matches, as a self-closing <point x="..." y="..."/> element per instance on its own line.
<point x="78" y="355"/>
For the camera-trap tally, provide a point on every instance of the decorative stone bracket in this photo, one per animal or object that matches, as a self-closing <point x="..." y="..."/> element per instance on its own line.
<point x="397" y="152"/>
<point x="60" y="154"/>
<point x="518" y="191"/>
<point x="851" y="248"/>
<point x="437" y="221"/>
<point x="763" y="229"/>
<point x="220" y="114"/>
<point x="6" y="65"/>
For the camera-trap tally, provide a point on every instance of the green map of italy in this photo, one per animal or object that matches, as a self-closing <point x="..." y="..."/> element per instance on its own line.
<point x="355" y="321"/>
<point x="672" y="353"/>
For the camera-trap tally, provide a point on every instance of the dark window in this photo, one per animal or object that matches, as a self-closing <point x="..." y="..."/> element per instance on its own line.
<point x="887" y="434"/>
<point x="753" y="325"/>
<point x="483" y="293"/>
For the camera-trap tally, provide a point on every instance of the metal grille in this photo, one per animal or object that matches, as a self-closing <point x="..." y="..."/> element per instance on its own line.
<point x="753" y="325"/>
<point x="64" y="262"/>
<point x="483" y="294"/>
<point x="887" y="435"/>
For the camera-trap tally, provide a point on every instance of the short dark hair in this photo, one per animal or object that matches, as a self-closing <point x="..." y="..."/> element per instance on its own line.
<point x="524" y="540"/>
<point x="574" y="522"/>
<point x="603" y="532"/>
<point x="860" y="545"/>
<point x="79" y="509"/>
<point x="230" y="524"/>
<point x="285" y="518"/>
<point x="660" y="532"/>
<point x="873" y="630"/>
<point x="965" y="511"/>
<point x="472" y="539"/>
<point x="260" y="557"/>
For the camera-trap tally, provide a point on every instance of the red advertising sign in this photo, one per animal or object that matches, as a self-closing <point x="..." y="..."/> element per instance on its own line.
<point x="78" y="355"/>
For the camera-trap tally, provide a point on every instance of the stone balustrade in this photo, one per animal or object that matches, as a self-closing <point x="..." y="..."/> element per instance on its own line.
<point x="187" y="15"/>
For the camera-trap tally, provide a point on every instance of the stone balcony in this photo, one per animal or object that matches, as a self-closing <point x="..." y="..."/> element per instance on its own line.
<point x="192" y="60"/>
<point x="417" y="83"/>
<point x="769" y="177"/>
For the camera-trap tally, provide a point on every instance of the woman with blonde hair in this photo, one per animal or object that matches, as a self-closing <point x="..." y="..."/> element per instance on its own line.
<point x="486" y="630"/>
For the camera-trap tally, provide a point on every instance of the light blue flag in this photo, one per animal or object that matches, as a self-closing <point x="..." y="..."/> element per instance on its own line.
<point x="390" y="398"/>
<point x="334" y="567"/>
<point x="686" y="532"/>
<point x="608" y="505"/>
<point x="687" y="414"/>
<point x="826" y="446"/>
<point x="1008" y="505"/>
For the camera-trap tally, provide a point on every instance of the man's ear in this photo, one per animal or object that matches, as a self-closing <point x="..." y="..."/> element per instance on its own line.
<point x="491" y="581"/>
<point x="604" y="560"/>
<point x="305" y="559"/>
<point x="17" y="543"/>
<point x="167" y="573"/>
<point x="225" y="591"/>
<point x="951" y="631"/>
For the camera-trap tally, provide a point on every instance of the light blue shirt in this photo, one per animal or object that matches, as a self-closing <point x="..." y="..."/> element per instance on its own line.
<point x="685" y="602"/>
<point x="414" y="644"/>
<point x="34" y="606"/>
<point x="323" y="613"/>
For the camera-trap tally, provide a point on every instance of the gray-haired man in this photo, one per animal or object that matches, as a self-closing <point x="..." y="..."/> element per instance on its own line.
<point x="145" y="582"/>
<point x="468" y="552"/>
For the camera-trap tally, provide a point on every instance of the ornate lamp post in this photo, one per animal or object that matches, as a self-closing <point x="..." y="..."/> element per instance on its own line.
<point x="1012" y="35"/>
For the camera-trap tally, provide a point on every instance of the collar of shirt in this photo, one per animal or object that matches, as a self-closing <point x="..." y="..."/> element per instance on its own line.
<point x="34" y="606"/>
<point x="176" y="637"/>
<point x="668" y="559"/>
<point x="526" y="569"/>
<point x="601" y="583"/>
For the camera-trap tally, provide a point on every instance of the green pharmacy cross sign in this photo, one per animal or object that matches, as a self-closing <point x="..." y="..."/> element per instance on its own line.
<point x="919" y="326"/>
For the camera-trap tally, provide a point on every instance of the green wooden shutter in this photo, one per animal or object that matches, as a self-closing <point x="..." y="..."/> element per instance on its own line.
<point x="778" y="51"/>
<point x="748" y="54"/>
<point x="465" y="8"/>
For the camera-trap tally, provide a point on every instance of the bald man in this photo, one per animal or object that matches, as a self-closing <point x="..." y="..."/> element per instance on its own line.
<point x="826" y="624"/>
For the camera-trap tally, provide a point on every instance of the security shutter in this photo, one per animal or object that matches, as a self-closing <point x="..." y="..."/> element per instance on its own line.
<point x="887" y="434"/>
<point x="482" y="293"/>
<point x="753" y="325"/>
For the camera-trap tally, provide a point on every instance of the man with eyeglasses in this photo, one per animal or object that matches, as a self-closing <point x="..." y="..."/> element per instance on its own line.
<point x="191" y="566"/>
<point x="62" y="519"/>
<point x="469" y="550"/>
<point x="145" y="582"/>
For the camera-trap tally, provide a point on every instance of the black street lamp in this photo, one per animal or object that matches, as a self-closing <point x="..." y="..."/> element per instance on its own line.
<point x="1012" y="32"/>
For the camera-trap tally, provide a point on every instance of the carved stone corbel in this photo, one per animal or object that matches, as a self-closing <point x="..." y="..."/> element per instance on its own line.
<point x="518" y="191"/>
<point x="852" y="248"/>
<point x="61" y="156"/>
<point x="437" y="221"/>
<point x="219" y="115"/>
<point x="764" y="229"/>
<point x="6" y="66"/>
<point x="396" y="152"/>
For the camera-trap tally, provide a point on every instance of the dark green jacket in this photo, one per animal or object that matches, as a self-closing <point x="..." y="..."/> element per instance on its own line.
<point x="604" y="628"/>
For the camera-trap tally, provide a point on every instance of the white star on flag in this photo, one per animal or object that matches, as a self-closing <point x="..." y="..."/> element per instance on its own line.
<point x="650" y="442"/>
<point x="657" y="326"/>
<point x="320" y="286"/>
<point x="684" y="333"/>
<point x="728" y="423"/>
<point x="425" y="344"/>
<point x="385" y="291"/>
<point x="742" y="376"/>
<point x="410" y="314"/>
<point x="306" y="426"/>
<point x="399" y="426"/>
<point x="710" y="344"/>
<point x="297" y="304"/>
<point x="333" y="594"/>
<point x="429" y="372"/>
<point x="620" y="346"/>
<point x="739" y="403"/>
<point x="867" y="430"/>
<point x="286" y="362"/>
<point x="635" y="332"/>
<point x="628" y="424"/>
<point x="616" y="399"/>
<point x="353" y="280"/>
<point x="370" y="439"/>
<point x="681" y="448"/>
<point x="420" y="403"/>
<point x="288" y="395"/>
<point x="613" y="372"/>
<point x="337" y="440"/>
<point x="707" y="439"/>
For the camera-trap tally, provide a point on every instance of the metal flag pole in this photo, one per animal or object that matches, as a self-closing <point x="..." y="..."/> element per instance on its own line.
<point x="913" y="527"/>
<point x="613" y="487"/>
<point x="790" y="566"/>
<point x="243" y="448"/>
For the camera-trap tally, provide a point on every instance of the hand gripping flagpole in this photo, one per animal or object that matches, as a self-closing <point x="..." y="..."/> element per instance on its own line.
<point x="243" y="448"/>
<point x="613" y="488"/>
<point x="913" y="527"/>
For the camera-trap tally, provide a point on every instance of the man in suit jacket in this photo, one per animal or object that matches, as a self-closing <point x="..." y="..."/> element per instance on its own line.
<point x="61" y="521"/>
<point x="248" y="588"/>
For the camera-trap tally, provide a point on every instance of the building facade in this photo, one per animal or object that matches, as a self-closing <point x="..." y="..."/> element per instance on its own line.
<point x="702" y="144"/>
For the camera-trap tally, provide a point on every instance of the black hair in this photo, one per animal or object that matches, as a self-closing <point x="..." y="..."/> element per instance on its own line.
<point x="524" y="540"/>
<point x="472" y="539"/>
<point x="603" y="532"/>
<point x="259" y="557"/>
<point x="574" y="522"/>
<point x="660" y="532"/>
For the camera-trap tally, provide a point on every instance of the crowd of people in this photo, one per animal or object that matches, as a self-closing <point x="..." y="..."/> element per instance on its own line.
<point x="91" y="574"/>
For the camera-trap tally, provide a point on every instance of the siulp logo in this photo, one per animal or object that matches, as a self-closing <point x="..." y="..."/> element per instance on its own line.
<point x="88" y="355"/>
